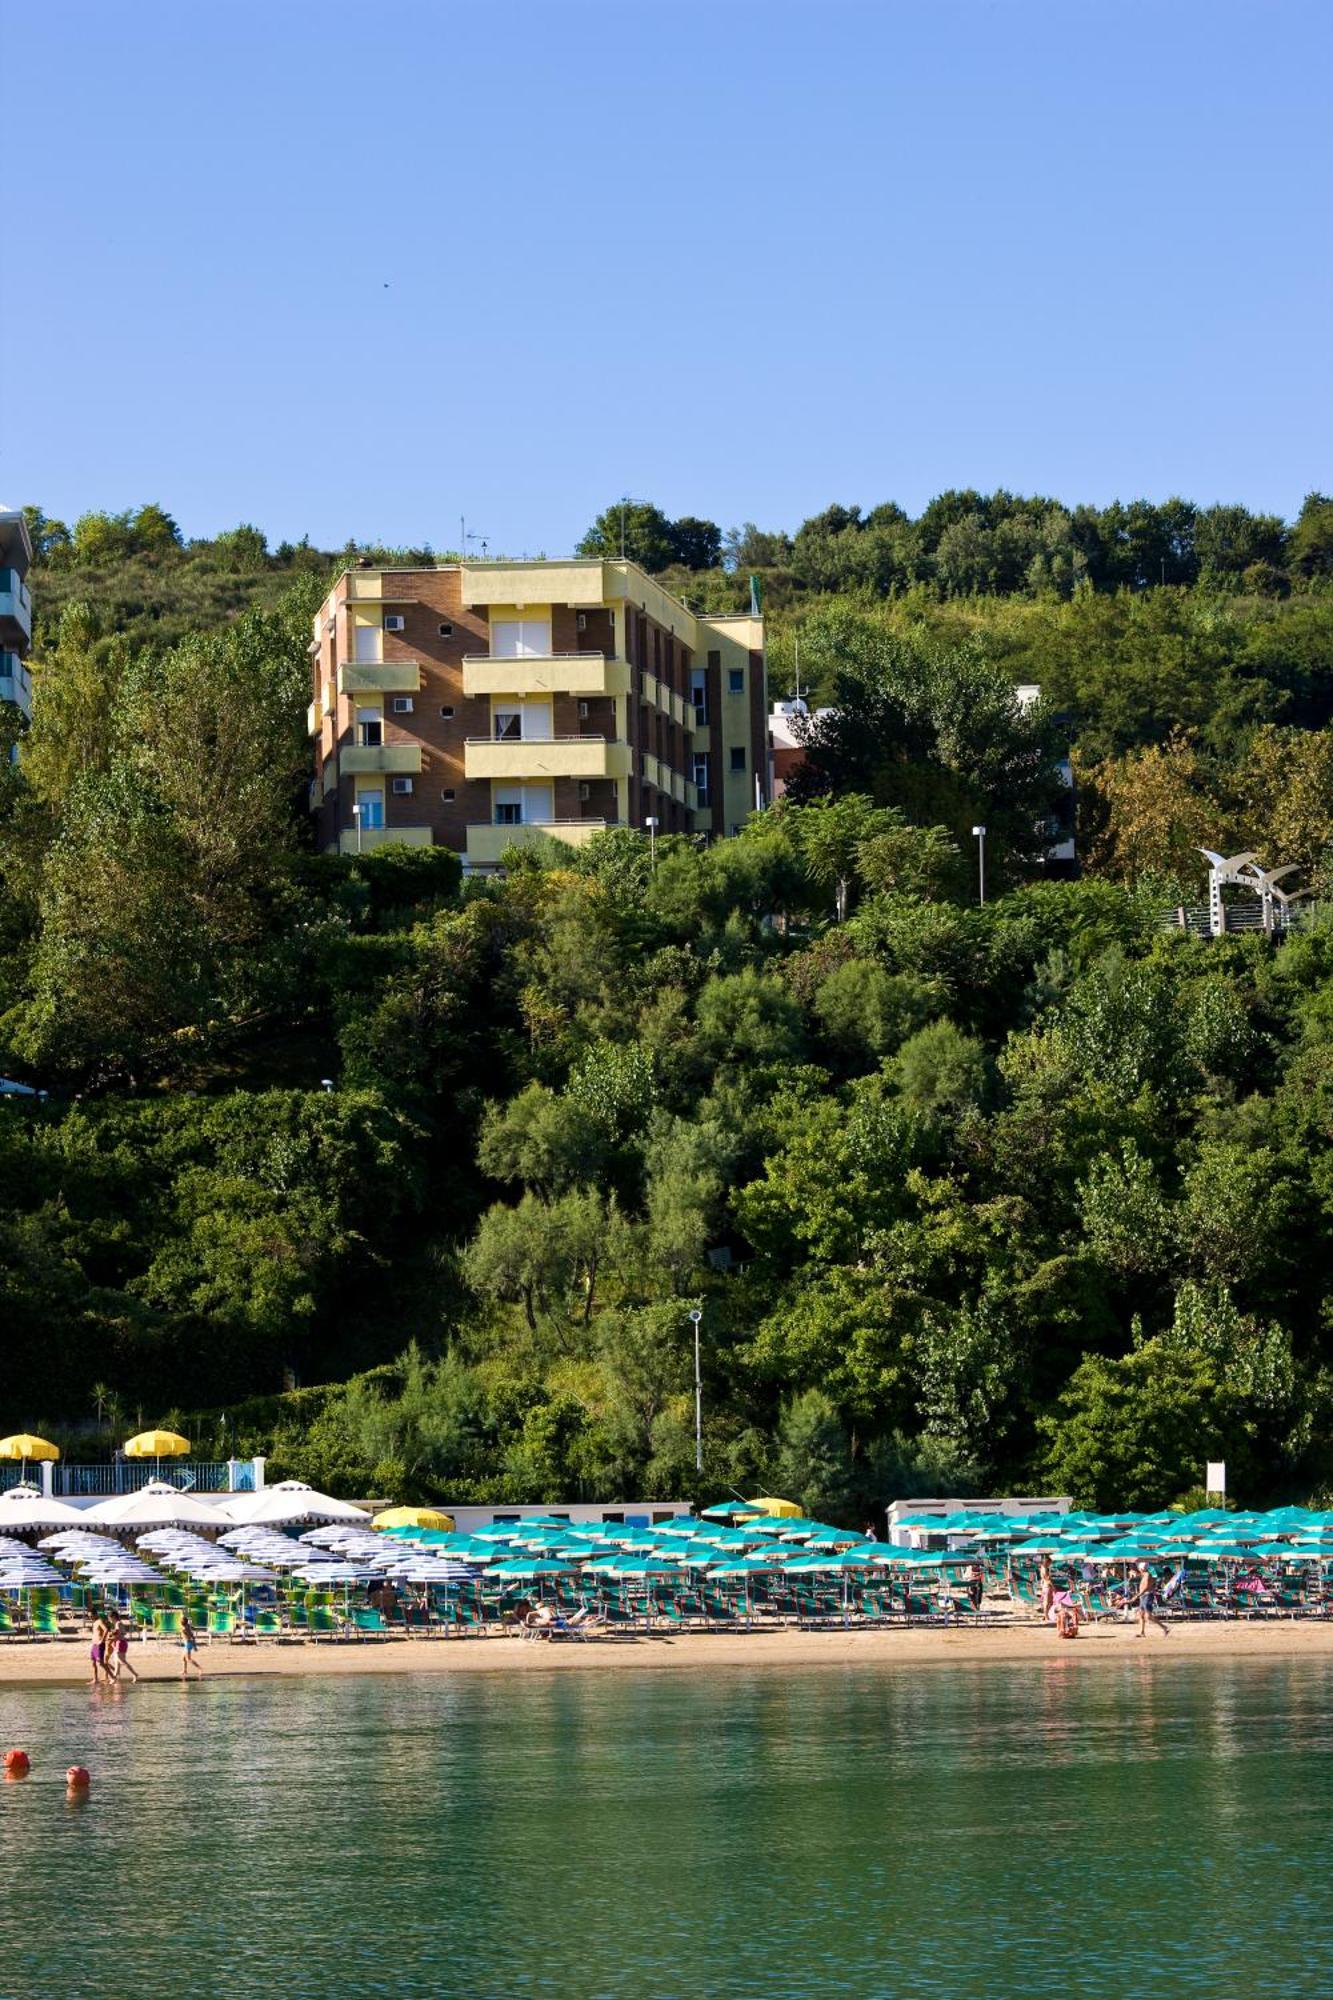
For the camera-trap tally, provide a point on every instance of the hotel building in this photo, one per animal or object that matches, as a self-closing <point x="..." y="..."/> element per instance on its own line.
<point x="15" y="610"/>
<point x="475" y="705"/>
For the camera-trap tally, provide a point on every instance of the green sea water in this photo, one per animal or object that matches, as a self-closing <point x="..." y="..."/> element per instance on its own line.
<point x="1145" y="1827"/>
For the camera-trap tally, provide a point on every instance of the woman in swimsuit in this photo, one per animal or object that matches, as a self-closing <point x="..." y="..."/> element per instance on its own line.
<point x="118" y="1649"/>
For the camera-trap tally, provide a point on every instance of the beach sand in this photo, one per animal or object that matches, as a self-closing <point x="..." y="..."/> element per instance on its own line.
<point x="56" y="1662"/>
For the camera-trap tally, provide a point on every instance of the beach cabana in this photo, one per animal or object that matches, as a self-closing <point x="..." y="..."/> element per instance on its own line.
<point x="24" y="1509"/>
<point x="156" y="1505"/>
<point x="290" y="1501"/>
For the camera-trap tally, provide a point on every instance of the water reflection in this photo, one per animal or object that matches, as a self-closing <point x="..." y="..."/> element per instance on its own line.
<point x="994" y="1830"/>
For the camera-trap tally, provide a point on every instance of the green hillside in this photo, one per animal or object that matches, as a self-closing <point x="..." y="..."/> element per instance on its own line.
<point x="1034" y="1192"/>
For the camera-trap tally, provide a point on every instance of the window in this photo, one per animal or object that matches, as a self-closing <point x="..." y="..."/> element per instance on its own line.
<point x="583" y="711"/>
<point x="369" y="728"/>
<point x="521" y="639"/>
<point x="402" y="704"/>
<point x="402" y="788"/>
<point x="446" y="631"/>
<point x="701" y="775"/>
<point x="507" y="814"/>
<point x="370" y="810"/>
<point x="699" y="696"/>
<point x="581" y="621"/>
<point x="736" y="680"/>
<point x="448" y="714"/>
<point x="507" y="724"/>
<point x="448" y="794"/>
<point x="738" y="756"/>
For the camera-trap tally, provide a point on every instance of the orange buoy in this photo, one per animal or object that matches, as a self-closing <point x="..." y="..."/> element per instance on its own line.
<point x="17" y="1764"/>
<point x="78" y="1778"/>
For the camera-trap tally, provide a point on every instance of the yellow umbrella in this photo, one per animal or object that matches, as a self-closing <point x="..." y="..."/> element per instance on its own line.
<point x="25" y="1446"/>
<point x="412" y="1517"/>
<point x="786" y="1510"/>
<point x="157" y="1444"/>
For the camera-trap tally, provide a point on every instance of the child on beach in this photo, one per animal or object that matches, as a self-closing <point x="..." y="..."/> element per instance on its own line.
<point x="189" y="1648"/>
<point x="118" y="1649"/>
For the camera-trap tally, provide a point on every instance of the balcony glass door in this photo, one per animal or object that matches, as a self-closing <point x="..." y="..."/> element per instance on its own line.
<point x="521" y="639"/>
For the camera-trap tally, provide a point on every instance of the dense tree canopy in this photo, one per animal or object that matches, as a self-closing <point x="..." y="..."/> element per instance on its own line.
<point x="1034" y="1193"/>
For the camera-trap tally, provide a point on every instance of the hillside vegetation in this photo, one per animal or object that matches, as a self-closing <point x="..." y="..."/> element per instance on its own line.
<point x="1033" y="1192"/>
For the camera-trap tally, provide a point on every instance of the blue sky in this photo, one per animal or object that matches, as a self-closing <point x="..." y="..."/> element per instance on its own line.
<point x="362" y="269"/>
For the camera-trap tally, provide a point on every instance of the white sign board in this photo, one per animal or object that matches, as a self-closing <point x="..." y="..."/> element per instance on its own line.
<point x="1216" y="1482"/>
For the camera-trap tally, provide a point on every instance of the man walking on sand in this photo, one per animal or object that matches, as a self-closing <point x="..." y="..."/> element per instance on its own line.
<point x="1146" y="1599"/>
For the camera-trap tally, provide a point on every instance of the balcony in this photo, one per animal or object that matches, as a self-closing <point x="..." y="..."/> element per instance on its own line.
<point x="372" y="837"/>
<point x="399" y="760"/>
<point x="15" y="610"/>
<point x="381" y="677"/>
<point x="314" y="718"/>
<point x="558" y="673"/>
<point x="544" y="757"/>
<point x="372" y="587"/>
<point x="15" y="682"/>
<point x="486" y="844"/>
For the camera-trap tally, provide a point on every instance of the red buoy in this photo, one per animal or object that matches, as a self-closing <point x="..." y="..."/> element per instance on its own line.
<point x="17" y="1764"/>
<point x="78" y="1778"/>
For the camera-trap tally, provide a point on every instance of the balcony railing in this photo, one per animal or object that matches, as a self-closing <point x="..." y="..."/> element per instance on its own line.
<point x="545" y="757"/>
<point x="400" y="760"/>
<point x="548" y="673"/>
<point x="379" y="677"/>
<point x="486" y="844"/>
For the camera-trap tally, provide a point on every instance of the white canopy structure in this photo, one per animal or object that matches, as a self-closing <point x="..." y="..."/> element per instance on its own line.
<point x="156" y="1505"/>
<point x="291" y="1500"/>
<point x="23" y="1508"/>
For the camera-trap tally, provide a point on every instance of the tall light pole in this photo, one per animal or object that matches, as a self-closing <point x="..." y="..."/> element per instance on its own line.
<point x="356" y="815"/>
<point x="651" y="825"/>
<point x="696" y="1315"/>
<point x="979" y="835"/>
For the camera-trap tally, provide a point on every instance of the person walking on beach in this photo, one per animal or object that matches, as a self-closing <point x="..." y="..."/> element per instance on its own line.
<point x="118" y="1649"/>
<point x="189" y="1648"/>
<point x="97" y="1652"/>
<point x="1046" y="1587"/>
<point x="972" y="1581"/>
<point x="1146" y="1600"/>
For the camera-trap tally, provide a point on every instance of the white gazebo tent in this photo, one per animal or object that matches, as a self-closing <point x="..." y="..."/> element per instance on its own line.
<point x="290" y="1501"/>
<point x="156" y="1505"/>
<point x="23" y="1508"/>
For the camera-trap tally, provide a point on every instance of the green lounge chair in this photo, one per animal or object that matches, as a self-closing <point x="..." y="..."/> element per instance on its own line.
<point x="221" y="1624"/>
<point x="167" y="1622"/>
<point x="368" y="1622"/>
<point x="44" y="1621"/>
<point x="324" y="1623"/>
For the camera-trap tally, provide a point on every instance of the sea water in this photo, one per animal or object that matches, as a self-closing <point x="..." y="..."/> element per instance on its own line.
<point x="1143" y="1826"/>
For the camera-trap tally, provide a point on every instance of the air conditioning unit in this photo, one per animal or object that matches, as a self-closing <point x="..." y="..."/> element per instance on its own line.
<point x="394" y="622"/>
<point x="402" y="704"/>
<point x="585" y="791"/>
<point x="402" y="787"/>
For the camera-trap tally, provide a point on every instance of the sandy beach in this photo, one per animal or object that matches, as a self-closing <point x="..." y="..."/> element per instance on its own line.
<point x="64" y="1662"/>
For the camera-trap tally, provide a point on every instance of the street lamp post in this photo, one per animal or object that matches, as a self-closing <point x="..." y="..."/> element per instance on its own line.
<point x="696" y="1315"/>
<point x="356" y="815"/>
<point x="651" y="825"/>
<point x="979" y="835"/>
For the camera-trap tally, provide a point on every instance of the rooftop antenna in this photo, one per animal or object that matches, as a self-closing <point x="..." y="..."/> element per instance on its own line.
<point x="624" y="503"/>
<point x="796" y="642"/>
<point x="483" y="539"/>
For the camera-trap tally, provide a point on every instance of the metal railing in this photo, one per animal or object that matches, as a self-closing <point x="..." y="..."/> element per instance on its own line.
<point x="189" y="1475"/>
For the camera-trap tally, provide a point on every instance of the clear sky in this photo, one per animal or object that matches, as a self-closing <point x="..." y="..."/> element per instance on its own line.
<point x="361" y="269"/>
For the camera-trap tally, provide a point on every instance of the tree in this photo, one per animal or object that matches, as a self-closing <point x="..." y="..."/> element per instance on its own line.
<point x="941" y="1073"/>
<point x="635" y="529"/>
<point x="696" y="544"/>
